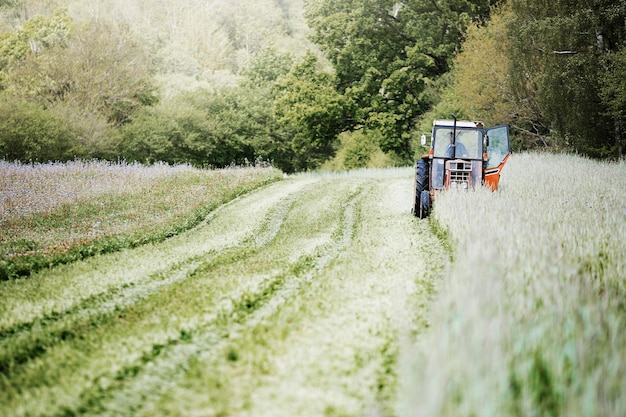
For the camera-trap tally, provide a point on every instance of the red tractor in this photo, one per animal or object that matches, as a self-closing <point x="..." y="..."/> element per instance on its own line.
<point x="462" y="154"/>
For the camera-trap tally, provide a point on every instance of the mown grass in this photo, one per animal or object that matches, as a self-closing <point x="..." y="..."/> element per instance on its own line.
<point x="329" y="345"/>
<point x="59" y="213"/>
<point x="530" y="320"/>
<point x="92" y="358"/>
<point x="288" y="301"/>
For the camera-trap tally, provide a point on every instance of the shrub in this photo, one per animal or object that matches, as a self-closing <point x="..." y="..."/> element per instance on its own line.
<point x="29" y="132"/>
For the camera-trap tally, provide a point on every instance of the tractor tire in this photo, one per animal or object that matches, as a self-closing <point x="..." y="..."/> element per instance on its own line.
<point x="424" y="204"/>
<point x="421" y="185"/>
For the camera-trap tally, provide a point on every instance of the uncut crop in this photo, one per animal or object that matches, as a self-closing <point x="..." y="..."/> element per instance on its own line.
<point x="531" y="318"/>
<point x="59" y="212"/>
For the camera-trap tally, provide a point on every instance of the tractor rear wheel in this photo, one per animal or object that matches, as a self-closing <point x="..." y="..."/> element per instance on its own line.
<point x="424" y="204"/>
<point x="421" y="185"/>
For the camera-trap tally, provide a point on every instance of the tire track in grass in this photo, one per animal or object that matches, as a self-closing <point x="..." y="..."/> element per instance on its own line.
<point x="333" y="347"/>
<point x="31" y="340"/>
<point x="49" y="294"/>
<point x="27" y="341"/>
<point x="145" y="382"/>
<point x="211" y="340"/>
<point x="45" y="388"/>
<point x="22" y="343"/>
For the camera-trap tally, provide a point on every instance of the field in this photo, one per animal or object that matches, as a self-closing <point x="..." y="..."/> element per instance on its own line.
<point x="320" y="294"/>
<point x="58" y="213"/>
<point x="531" y="317"/>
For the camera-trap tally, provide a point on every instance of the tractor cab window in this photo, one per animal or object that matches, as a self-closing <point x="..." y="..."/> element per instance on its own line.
<point x="472" y="142"/>
<point x="468" y="143"/>
<point x="499" y="145"/>
<point x="440" y="142"/>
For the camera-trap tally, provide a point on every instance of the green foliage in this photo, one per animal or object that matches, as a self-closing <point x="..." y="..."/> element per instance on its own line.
<point x="551" y="71"/>
<point x="385" y="53"/>
<point x="95" y="136"/>
<point x="312" y="112"/>
<point x="270" y="140"/>
<point x="103" y="71"/>
<point x="554" y="72"/>
<point x="216" y="127"/>
<point x="91" y="80"/>
<point x="361" y="149"/>
<point x="150" y="136"/>
<point x="35" y="36"/>
<point x="266" y="67"/>
<point x="563" y="54"/>
<point x="30" y="133"/>
<point x="613" y="95"/>
<point x="479" y="88"/>
<point x="358" y="149"/>
<point x="202" y="127"/>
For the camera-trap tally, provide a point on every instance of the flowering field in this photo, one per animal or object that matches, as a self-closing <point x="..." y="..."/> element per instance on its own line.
<point x="55" y="213"/>
<point x="321" y="295"/>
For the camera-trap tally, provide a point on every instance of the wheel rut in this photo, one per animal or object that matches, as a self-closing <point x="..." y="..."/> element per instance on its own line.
<point x="157" y="370"/>
<point x="32" y="339"/>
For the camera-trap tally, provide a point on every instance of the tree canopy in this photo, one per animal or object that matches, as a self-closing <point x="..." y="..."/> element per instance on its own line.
<point x="553" y="71"/>
<point x="386" y="52"/>
<point x="219" y="82"/>
<point x="568" y="50"/>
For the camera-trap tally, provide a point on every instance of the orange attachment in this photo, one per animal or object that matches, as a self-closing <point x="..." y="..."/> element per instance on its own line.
<point x="492" y="180"/>
<point x="492" y="176"/>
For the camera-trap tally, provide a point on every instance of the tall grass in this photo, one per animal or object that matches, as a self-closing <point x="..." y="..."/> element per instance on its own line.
<point x="59" y="212"/>
<point x="531" y="318"/>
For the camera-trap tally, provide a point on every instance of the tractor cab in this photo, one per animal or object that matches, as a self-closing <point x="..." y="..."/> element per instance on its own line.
<point x="462" y="154"/>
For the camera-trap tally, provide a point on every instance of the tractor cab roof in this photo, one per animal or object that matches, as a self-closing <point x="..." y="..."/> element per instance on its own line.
<point x="459" y="123"/>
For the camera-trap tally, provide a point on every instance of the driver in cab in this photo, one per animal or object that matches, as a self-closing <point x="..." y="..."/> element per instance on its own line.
<point x="461" y="150"/>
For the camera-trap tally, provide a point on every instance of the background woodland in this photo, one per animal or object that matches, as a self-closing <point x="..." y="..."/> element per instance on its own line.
<point x="305" y="84"/>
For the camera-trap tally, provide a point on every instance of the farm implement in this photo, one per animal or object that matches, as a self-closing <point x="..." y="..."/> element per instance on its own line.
<point x="462" y="154"/>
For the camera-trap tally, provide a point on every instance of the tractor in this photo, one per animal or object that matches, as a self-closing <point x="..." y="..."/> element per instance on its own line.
<point x="462" y="154"/>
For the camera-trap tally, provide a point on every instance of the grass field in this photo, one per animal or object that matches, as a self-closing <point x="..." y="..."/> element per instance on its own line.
<point x="530" y="319"/>
<point x="321" y="295"/>
<point x="57" y="213"/>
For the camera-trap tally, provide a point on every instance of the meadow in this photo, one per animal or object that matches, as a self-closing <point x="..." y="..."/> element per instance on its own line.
<point x="61" y="212"/>
<point x="321" y="295"/>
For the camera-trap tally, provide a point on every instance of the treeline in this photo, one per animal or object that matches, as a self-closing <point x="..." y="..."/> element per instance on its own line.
<point x="219" y="82"/>
<point x="555" y="71"/>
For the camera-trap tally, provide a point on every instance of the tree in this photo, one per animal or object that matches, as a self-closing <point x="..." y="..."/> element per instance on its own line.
<point x="266" y="67"/>
<point x="205" y="127"/>
<point x="385" y="53"/>
<point x="564" y="53"/>
<point x="613" y="94"/>
<point x="252" y="25"/>
<point x="311" y="111"/>
<point x="100" y="69"/>
<point x="34" y="37"/>
<point x="257" y="90"/>
<point x="481" y="88"/>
